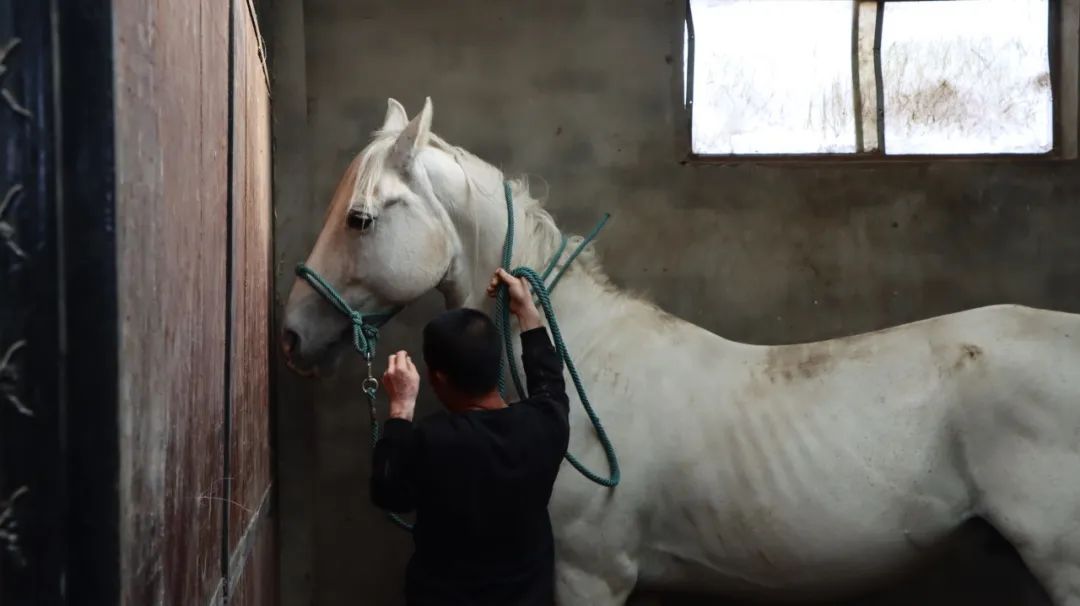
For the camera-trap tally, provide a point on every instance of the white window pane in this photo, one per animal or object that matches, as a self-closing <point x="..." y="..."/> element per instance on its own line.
<point x="969" y="76"/>
<point x="772" y="77"/>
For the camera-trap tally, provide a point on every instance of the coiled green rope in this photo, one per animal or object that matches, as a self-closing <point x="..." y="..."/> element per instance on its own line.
<point x="543" y="295"/>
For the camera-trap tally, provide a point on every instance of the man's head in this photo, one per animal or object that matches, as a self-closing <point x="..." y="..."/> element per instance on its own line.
<point x="462" y="352"/>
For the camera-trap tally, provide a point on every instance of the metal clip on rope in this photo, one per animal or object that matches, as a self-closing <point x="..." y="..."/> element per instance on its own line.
<point x="365" y="336"/>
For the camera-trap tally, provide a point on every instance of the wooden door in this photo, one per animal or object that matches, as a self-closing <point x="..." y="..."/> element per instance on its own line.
<point x="135" y="461"/>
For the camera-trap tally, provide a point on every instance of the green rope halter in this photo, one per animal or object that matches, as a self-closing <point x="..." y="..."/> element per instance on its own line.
<point x="365" y="326"/>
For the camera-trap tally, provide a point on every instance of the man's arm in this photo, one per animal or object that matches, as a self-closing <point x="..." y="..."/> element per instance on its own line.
<point x="543" y="366"/>
<point x="394" y="464"/>
<point x="393" y="477"/>
<point x="543" y="369"/>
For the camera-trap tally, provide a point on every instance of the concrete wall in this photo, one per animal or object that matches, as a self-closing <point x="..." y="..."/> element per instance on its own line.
<point x="282" y="23"/>
<point x="586" y="95"/>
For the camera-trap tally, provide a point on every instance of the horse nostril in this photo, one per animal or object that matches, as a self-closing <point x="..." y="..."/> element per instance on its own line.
<point x="289" y="342"/>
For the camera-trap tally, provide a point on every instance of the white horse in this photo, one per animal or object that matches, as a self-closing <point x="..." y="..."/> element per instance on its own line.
<point x="804" y="471"/>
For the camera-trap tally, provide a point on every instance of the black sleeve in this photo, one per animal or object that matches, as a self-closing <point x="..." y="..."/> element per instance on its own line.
<point x="544" y="370"/>
<point x="393" y="478"/>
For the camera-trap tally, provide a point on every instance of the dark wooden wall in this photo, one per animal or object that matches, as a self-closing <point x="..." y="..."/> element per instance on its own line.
<point x="135" y="299"/>
<point x="172" y="141"/>
<point x="194" y="252"/>
<point x="251" y="532"/>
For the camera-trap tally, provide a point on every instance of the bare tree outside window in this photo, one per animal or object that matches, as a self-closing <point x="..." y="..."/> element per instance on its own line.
<point x="803" y="77"/>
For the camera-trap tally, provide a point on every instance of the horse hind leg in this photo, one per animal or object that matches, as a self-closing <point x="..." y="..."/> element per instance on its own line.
<point x="1029" y="489"/>
<point x="1055" y="561"/>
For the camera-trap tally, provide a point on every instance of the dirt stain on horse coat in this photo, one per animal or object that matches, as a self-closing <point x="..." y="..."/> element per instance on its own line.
<point x="791" y="362"/>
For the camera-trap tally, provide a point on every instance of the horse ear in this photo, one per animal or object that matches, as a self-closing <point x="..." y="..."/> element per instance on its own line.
<point x="396" y="118"/>
<point x="415" y="135"/>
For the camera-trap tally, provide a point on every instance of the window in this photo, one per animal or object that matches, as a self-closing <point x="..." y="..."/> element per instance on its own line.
<point x="871" y="78"/>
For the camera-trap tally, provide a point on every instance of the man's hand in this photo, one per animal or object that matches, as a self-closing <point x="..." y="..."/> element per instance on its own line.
<point x="521" y="303"/>
<point x="402" y="382"/>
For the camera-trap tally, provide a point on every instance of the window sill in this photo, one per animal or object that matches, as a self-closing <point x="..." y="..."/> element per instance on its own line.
<point x="811" y="160"/>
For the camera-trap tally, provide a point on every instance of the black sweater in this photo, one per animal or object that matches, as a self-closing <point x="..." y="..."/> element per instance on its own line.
<point x="480" y="482"/>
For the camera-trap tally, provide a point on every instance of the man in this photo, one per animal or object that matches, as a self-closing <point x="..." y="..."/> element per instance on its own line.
<point x="480" y="474"/>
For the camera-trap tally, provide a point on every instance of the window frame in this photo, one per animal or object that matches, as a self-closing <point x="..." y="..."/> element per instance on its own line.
<point x="1064" y="51"/>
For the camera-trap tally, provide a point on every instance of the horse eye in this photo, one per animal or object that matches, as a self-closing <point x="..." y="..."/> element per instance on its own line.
<point x="359" y="220"/>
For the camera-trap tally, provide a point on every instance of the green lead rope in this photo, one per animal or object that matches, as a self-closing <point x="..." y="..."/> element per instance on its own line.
<point x="543" y="295"/>
<point x="370" y="393"/>
<point x="365" y="337"/>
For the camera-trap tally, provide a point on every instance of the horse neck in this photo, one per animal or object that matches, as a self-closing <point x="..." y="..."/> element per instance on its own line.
<point x="582" y="292"/>
<point x="584" y="300"/>
<point x="481" y="226"/>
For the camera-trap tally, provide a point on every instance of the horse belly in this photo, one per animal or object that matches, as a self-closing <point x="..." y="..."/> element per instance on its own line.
<point x="801" y="552"/>
<point x="831" y="516"/>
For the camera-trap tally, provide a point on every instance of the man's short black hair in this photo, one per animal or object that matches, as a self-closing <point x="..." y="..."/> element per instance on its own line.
<point x="464" y="345"/>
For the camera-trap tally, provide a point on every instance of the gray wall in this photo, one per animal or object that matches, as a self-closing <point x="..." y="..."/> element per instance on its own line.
<point x="282" y="25"/>
<point x="586" y="96"/>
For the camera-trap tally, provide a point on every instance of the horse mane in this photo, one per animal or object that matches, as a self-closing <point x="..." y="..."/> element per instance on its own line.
<point x="543" y="232"/>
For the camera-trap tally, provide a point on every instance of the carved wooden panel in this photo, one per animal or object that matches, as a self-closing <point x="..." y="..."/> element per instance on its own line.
<point x="31" y="482"/>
